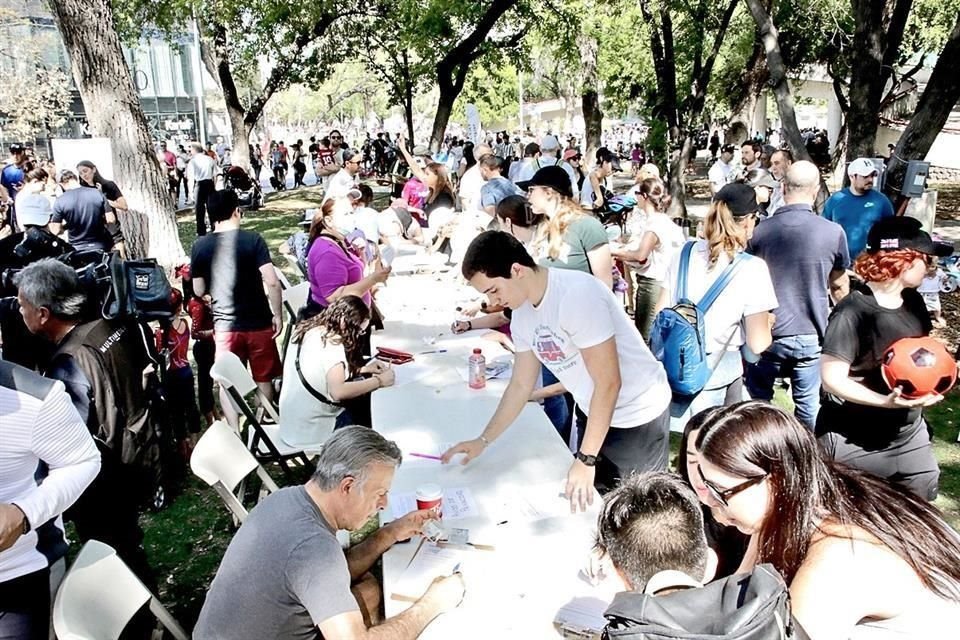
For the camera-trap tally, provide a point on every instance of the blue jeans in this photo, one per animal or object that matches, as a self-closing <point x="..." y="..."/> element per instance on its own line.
<point x="556" y="408"/>
<point x="799" y="358"/>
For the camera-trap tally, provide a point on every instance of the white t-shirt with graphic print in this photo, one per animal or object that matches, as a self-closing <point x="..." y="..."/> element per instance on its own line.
<point x="578" y="312"/>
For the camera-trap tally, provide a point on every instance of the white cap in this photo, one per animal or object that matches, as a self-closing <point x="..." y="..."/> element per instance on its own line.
<point x="862" y="167"/>
<point x="33" y="208"/>
<point x="549" y="143"/>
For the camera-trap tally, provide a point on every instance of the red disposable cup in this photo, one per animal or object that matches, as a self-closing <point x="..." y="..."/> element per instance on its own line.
<point x="430" y="496"/>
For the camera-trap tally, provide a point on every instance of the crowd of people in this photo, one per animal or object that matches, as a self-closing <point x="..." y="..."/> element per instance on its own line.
<point x="834" y="496"/>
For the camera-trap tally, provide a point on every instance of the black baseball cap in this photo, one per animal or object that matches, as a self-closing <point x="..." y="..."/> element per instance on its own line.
<point x="554" y="177"/>
<point x="727" y="148"/>
<point x="740" y="198"/>
<point x="901" y="232"/>
<point x="16" y="147"/>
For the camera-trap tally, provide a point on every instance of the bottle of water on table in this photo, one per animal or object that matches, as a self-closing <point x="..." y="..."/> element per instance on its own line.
<point x="477" y="367"/>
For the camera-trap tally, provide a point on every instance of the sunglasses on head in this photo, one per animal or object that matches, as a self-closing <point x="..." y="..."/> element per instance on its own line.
<point x="723" y="495"/>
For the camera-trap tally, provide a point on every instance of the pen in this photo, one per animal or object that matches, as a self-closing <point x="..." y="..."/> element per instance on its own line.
<point x="456" y="569"/>
<point x="426" y="353"/>
<point x="425" y="455"/>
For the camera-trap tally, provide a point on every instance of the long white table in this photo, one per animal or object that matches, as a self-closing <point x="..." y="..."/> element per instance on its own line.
<point x="516" y="589"/>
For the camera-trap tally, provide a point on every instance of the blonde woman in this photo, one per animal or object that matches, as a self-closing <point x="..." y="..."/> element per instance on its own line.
<point x="649" y="250"/>
<point x="574" y="239"/>
<point x="742" y="313"/>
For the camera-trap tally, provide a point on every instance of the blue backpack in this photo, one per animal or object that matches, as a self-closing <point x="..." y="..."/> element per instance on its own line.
<point x="677" y="336"/>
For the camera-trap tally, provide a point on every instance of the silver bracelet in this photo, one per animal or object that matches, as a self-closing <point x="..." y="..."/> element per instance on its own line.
<point x="484" y="440"/>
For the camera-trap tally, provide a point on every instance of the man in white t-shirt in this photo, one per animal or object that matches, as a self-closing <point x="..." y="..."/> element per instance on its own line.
<point x="472" y="182"/>
<point x="569" y="321"/>
<point x="345" y="180"/>
<point x="719" y="173"/>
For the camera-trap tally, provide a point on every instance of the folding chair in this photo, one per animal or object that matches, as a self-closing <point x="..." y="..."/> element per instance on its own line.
<point x="100" y="595"/>
<point x="263" y="440"/>
<point x="295" y="265"/>
<point x="222" y="460"/>
<point x="294" y="299"/>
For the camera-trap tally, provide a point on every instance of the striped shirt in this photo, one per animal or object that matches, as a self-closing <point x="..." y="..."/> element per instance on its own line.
<point x="39" y="423"/>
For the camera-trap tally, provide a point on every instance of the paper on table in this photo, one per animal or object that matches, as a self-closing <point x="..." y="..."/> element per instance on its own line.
<point x="534" y="502"/>
<point x="457" y="504"/>
<point x="410" y="372"/>
<point x="430" y="562"/>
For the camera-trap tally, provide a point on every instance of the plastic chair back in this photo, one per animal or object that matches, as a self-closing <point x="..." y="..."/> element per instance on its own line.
<point x="220" y="456"/>
<point x="295" y="298"/>
<point x="100" y="595"/>
<point x="282" y="277"/>
<point x="229" y="370"/>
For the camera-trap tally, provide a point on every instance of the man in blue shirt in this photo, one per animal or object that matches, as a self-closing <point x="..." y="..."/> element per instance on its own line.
<point x="807" y="257"/>
<point x="11" y="179"/>
<point x="858" y="206"/>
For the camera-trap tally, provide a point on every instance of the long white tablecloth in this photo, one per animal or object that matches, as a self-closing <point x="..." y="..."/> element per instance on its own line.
<point x="516" y="589"/>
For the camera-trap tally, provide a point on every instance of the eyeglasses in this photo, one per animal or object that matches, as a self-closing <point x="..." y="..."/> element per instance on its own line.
<point x="336" y="137"/>
<point x="723" y="495"/>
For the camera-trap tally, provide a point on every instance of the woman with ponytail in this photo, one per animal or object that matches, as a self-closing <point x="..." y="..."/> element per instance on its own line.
<point x="653" y="241"/>
<point x="324" y="369"/>
<point x="862" y="557"/>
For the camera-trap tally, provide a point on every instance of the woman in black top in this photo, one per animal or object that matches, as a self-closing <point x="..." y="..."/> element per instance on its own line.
<point x="861" y="421"/>
<point x="90" y="177"/>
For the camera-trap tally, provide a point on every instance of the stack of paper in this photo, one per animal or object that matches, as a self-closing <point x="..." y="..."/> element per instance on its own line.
<point x="430" y="562"/>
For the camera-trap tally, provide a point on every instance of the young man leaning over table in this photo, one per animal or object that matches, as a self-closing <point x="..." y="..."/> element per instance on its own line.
<point x="284" y="574"/>
<point x="573" y="324"/>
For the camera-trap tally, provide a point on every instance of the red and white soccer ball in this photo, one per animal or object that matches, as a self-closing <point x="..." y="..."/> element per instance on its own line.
<point x="919" y="366"/>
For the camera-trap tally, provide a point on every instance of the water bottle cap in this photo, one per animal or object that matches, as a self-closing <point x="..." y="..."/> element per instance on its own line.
<point x="477" y="351"/>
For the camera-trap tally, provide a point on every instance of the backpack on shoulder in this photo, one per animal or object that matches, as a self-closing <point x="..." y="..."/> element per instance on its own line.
<point x="677" y="337"/>
<point x="753" y="606"/>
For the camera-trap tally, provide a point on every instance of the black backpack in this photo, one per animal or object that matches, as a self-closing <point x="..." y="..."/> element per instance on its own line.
<point x="754" y="606"/>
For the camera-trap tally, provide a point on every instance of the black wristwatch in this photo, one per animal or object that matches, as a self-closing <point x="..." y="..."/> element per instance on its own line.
<point x="590" y="461"/>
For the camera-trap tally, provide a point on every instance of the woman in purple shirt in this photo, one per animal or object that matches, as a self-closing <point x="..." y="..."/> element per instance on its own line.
<point x="332" y="267"/>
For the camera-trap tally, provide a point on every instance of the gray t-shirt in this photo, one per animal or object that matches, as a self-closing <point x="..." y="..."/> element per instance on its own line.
<point x="282" y="575"/>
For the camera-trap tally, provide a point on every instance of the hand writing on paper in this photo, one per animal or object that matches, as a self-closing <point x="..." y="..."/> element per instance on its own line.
<point x="469" y="448"/>
<point x="446" y="593"/>
<point x="411" y="524"/>
<point x="580" y="486"/>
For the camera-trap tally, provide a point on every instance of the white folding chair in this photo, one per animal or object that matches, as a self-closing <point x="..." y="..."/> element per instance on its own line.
<point x="100" y="595"/>
<point x="263" y="439"/>
<point x="222" y="460"/>
<point x="282" y="277"/>
<point x="295" y="265"/>
<point x="294" y="299"/>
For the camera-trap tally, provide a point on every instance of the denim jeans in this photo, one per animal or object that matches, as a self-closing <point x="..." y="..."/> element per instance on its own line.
<point x="556" y="407"/>
<point x="799" y="358"/>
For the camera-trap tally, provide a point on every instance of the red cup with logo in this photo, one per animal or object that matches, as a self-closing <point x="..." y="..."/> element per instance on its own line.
<point x="430" y="496"/>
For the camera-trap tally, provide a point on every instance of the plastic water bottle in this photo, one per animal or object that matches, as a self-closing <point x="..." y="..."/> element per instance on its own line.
<point x="477" y="367"/>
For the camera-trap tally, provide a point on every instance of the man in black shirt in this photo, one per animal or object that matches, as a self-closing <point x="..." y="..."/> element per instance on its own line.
<point x="234" y="267"/>
<point x="83" y="213"/>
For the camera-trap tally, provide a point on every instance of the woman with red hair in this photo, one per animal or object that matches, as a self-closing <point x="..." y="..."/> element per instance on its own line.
<point x="862" y="422"/>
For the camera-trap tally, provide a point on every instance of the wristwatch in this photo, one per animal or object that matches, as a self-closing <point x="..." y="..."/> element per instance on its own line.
<point x="590" y="461"/>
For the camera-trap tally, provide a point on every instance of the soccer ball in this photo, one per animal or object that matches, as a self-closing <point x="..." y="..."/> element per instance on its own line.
<point x="919" y="366"/>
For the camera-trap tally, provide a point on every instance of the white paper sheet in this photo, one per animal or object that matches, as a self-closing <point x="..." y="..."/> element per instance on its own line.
<point x="458" y="503"/>
<point x="411" y="372"/>
<point x="583" y="613"/>
<point x="430" y="562"/>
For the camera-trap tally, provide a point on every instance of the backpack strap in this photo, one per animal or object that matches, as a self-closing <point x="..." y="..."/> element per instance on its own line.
<point x="306" y="385"/>
<point x="682" y="271"/>
<point x="721" y="283"/>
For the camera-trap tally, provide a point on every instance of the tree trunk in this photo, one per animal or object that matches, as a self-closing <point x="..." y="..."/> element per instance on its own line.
<point x="939" y="97"/>
<point x="876" y="38"/>
<point x="752" y="81"/>
<point x="680" y="159"/>
<point x="442" y="117"/>
<point x="240" y="134"/>
<point x="778" y="78"/>
<point x="592" y="115"/>
<point x="113" y="110"/>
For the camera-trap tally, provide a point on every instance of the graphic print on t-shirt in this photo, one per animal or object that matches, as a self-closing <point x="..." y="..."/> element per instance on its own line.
<point x="550" y="349"/>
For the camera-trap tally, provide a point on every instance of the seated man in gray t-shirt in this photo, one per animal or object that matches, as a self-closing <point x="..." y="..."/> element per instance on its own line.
<point x="284" y="574"/>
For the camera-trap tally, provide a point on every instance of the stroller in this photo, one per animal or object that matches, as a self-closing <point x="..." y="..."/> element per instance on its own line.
<point x="248" y="191"/>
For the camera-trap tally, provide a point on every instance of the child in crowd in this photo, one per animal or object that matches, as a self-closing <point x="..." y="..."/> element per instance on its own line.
<point x="173" y="340"/>
<point x="201" y="329"/>
<point x="930" y="290"/>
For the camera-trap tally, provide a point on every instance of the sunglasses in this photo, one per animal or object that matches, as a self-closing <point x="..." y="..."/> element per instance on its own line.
<point x="723" y="495"/>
